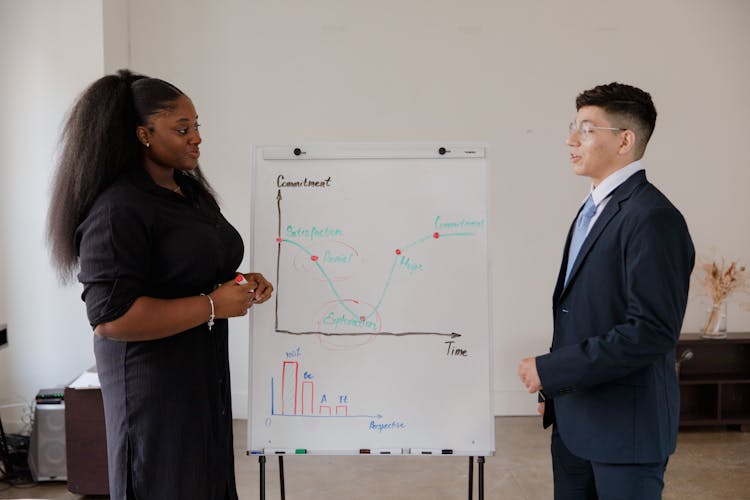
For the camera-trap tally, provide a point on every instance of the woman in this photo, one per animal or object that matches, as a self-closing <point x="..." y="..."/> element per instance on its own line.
<point x="157" y="263"/>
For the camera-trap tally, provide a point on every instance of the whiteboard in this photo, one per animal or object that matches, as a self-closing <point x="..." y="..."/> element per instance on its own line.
<point x="378" y="337"/>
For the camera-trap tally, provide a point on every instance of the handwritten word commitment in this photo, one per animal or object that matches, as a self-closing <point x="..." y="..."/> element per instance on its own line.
<point x="458" y="224"/>
<point x="283" y="183"/>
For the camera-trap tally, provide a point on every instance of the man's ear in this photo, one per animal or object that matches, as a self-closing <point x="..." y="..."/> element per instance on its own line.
<point x="627" y="142"/>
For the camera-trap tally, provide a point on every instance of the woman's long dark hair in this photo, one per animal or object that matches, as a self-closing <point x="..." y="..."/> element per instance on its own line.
<point x="98" y="145"/>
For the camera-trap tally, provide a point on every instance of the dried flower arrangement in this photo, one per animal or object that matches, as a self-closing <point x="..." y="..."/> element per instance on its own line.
<point x="720" y="281"/>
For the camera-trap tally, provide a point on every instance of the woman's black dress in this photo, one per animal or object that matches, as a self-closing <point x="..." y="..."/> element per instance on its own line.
<point x="167" y="402"/>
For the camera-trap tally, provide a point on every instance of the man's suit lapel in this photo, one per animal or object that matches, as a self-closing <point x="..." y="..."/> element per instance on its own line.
<point x="563" y="265"/>
<point x="620" y="195"/>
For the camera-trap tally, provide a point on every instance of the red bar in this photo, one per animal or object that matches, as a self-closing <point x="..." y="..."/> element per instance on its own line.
<point x="308" y="396"/>
<point x="288" y="393"/>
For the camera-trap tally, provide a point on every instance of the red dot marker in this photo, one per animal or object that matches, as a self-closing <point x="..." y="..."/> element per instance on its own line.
<point x="313" y="258"/>
<point x="398" y="251"/>
<point x="278" y="240"/>
<point x="436" y="235"/>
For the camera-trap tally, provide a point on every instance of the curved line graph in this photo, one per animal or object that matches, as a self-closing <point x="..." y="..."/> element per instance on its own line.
<point x="400" y="253"/>
<point x="336" y="293"/>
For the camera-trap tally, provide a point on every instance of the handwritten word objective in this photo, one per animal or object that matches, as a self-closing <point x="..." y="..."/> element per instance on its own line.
<point x="390" y="426"/>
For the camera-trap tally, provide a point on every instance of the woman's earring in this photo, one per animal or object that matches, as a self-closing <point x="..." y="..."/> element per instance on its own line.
<point x="148" y="144"/>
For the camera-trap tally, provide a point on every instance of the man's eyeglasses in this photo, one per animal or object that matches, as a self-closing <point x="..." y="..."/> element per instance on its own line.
<point x="584" y="129"/>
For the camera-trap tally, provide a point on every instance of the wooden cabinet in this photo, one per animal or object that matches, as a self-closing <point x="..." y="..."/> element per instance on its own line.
<point x="715" y="382"/>
<point x="86" y="442"/>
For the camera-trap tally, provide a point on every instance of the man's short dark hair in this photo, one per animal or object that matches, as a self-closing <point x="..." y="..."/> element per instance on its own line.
<point x="629" y="107"/>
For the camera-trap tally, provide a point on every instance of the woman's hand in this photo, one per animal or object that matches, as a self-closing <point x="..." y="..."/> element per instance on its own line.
<point x="263" y="288"/>
<point x="150" y="318"/>
<point x="232" y="299"/>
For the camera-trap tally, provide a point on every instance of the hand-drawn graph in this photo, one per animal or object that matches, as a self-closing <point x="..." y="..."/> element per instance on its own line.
<point x="378" y="334"/>
<point x="298" y="395"/>
<point x="302" y="402"/>
<point x="321" y="253"/>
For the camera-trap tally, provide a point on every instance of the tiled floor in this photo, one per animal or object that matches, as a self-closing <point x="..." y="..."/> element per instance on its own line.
<point x="709" y="464"/>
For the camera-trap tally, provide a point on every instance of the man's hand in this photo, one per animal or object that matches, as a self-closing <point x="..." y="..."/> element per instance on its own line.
<point x="528" y="375"/>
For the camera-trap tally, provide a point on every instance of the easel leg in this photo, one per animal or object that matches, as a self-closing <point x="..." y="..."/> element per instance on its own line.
<point x="281" y="476"/>
<point x="480" y="461"/>
<point x="471" y="477"/>
<point x="262" y="465"/>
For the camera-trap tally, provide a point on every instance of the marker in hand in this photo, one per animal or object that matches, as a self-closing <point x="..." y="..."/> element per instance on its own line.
<point x="240" y="280"/>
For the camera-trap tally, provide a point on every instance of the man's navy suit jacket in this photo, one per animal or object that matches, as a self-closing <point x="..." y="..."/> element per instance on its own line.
<point x="609" y="379"/>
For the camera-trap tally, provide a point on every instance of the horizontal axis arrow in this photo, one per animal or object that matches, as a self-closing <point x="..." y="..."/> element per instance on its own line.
<point x="452" y="335"/>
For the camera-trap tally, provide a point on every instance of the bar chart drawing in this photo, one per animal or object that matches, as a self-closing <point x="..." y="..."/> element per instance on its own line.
<point x="298" y="399"/>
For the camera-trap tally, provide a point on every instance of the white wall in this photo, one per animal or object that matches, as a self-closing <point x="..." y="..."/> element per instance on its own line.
<point x="50" y="51"/>
<point x="4" y="63"/>
<point x="502" y="72"/>
<point x="115" y="35"/>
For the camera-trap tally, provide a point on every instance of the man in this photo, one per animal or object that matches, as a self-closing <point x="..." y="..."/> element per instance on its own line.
<point x="608" y="384"/>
